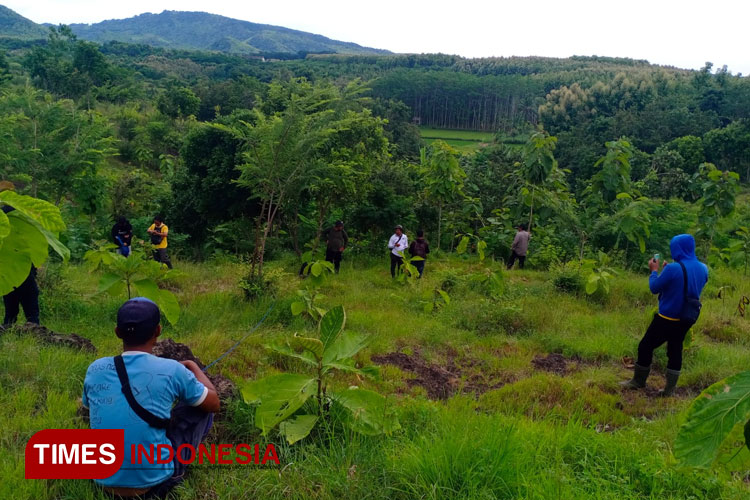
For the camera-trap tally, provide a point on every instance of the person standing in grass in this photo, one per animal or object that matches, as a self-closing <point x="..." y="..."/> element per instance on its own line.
<point x="158" y="231"/>
<point x="398" y="245"/>
<point x="336" y="241"/>
<point x="135" y="391"/>
<point x="519" y="247"/>
<point x="419" y="248"/>
<point x="679" y="287"/>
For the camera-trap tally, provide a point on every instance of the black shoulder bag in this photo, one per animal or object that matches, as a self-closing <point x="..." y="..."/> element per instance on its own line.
<point x="147" y="416"/>
<point x="691" y="307"/>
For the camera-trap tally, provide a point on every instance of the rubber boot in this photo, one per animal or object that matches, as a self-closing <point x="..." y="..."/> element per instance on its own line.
<point x="672" y="377"/>
<point x="640" y="374"/>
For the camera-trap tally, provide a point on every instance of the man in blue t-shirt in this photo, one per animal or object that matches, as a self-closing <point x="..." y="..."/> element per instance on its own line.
<point x="156" y="384"/>
<point x="667" y="325"/>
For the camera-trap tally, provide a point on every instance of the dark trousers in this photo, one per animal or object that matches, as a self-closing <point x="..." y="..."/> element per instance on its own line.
<point x="419" y="264"/>
<point x="659" y="331"/>
<point x="334" y="257"/>
<point x="25" y="295"/>
<point x="512" y="260"/>
<point x="160" y="255"/>
<point x="188" y="425"/>
<point x="396" y="262"/>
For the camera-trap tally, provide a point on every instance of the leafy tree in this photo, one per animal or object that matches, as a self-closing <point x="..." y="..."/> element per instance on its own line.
<point x="719" y="195"/>
<point x="443" y="177"/>
<point x="58" y="146"/>
<point x="136" y="275"/>
<point x="613" y="176"/>
<point x="538" y="163"/>
<point x="178" y="102"/>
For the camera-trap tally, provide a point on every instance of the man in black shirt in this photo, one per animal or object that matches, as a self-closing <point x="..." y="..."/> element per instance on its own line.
<point x="336" y="241"/>
<point x="122" y="235"/>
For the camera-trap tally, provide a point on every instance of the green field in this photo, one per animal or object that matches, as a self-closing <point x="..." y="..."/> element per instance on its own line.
<point x="466" y="141"/>
<point x="509" y="398"/>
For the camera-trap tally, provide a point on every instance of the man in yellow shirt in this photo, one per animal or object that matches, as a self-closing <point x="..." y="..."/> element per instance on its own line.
<point x="158" y="231"/>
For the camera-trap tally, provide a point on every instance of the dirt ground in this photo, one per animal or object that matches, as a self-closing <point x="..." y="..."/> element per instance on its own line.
<point x="47" y="336"/>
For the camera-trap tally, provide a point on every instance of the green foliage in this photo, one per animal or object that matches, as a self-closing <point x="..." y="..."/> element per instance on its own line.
<point x="25" y="234"/>
<point x="711" y="417"/>
<point x="134" y="276"/>
<point x="613" y="176"/>
<point x="600" y="275"/>
<point x="434" y="300"/>
<point x="281" y="396"/>
<point x="568" y="278"/>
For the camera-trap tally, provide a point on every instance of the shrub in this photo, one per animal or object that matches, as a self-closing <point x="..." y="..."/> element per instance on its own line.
<point x="567" y="278"/>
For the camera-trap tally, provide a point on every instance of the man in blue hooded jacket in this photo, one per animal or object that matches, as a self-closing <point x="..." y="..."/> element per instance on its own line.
<point x="667" y="325"/>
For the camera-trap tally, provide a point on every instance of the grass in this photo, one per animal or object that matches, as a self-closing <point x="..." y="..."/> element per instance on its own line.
<point x="467" y="141"/>
<point x="510" y="431"/>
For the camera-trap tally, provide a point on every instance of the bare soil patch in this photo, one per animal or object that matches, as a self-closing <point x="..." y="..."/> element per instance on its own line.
<point x="47" y="336"/>
<point x="170" y="349"/>
<point x="443" y="381"/>
<point x="557" y="363"/>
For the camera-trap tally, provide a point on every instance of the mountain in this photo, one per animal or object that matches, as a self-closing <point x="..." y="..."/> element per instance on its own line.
<point x="14" y="25"/>
<point x="203" y="31"/>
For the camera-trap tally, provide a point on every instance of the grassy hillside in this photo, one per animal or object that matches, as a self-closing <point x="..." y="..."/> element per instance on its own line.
<point x="516" y="398"/>
<point x="466" y="141"/>
<point x="203" y="31"/>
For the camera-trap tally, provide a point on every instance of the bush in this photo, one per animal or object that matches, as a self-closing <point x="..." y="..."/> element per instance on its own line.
<point x="567" y="278"/>
<point x="255" y="287"/>
<point x="486" y="317"/>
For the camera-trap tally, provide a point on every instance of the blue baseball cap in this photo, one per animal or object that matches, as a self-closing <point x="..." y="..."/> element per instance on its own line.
<point x="138" y="318"/>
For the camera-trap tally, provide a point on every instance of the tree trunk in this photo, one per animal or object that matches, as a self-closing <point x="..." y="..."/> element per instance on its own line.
<point x="531" y="211"/>
<point x="440" y="223"/>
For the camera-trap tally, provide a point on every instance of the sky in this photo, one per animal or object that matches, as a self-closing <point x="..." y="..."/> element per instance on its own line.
<point x="684" y="33"/>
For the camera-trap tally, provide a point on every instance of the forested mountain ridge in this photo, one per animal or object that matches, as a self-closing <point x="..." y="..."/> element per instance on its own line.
<point x="15" y="25"/>
<point x="190" y="30"/>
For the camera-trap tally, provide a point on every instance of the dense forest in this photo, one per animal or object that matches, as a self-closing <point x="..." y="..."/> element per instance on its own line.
<point x="613" y="147"/>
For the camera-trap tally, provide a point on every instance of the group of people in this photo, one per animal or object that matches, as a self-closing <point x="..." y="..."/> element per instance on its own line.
<point x="122" y="236"/>
<point x="337" y="239"/>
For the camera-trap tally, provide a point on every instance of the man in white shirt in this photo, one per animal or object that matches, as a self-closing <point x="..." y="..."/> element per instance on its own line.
<point x="398" y="245"/>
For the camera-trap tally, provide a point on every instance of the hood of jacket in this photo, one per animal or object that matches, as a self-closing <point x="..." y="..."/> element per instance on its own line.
<point x="682" y="247"/>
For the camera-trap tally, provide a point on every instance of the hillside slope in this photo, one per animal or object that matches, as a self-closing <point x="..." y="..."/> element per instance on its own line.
<point x="203" y="31"/>
<point x="14" y="25"/>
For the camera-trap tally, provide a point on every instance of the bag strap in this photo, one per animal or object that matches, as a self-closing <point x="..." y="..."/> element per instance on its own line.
<point x="684" y="282"/>
<point x="147" y="416"/>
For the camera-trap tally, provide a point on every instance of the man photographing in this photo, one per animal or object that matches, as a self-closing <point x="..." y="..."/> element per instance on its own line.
<point x="679" y="287"/>
<point x="135" y="391"/>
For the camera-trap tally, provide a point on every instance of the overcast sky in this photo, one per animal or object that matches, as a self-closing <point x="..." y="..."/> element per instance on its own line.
<point x="684" y="33"/>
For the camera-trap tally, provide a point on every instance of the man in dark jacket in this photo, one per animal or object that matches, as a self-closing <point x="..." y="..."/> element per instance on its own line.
<point x="419" y="248"/>
<point x="122" y="236"/>
<point x="336" y="241"/>
<point x="668" y="325"/>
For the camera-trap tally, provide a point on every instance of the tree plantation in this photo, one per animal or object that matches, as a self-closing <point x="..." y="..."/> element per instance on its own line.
<point x="253" y="196"/>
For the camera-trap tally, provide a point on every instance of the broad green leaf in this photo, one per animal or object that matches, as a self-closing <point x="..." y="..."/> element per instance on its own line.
<point x="169" y="306"/>
<point x="166" y="300"/>
<point x="107" y="281"/>
<point x="298" y="308"/>
<point x="345" y="366"/>
<point x="279" y="395"/>
<point x="15" y="267"/>
<point x="445" y="296"/>
<point x="369" y="412"/>
<point x="710" y="418"/>
<point x="331" y="324"/>
<point x="592" y="284"/>
<point x="52" y="240"/>
<point x="462" y="245"/>
<point x="284" y="349"/>
<point x="25" y="237"/>
<point x="345" y="346"/>
<point x="481" y="247"/>
<point x="47" y="214"/>
<point x="314" y="346"/>
<point x="316" y="269"/>
<point x="4" y="225"/>
<point x="298" y="427"/>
